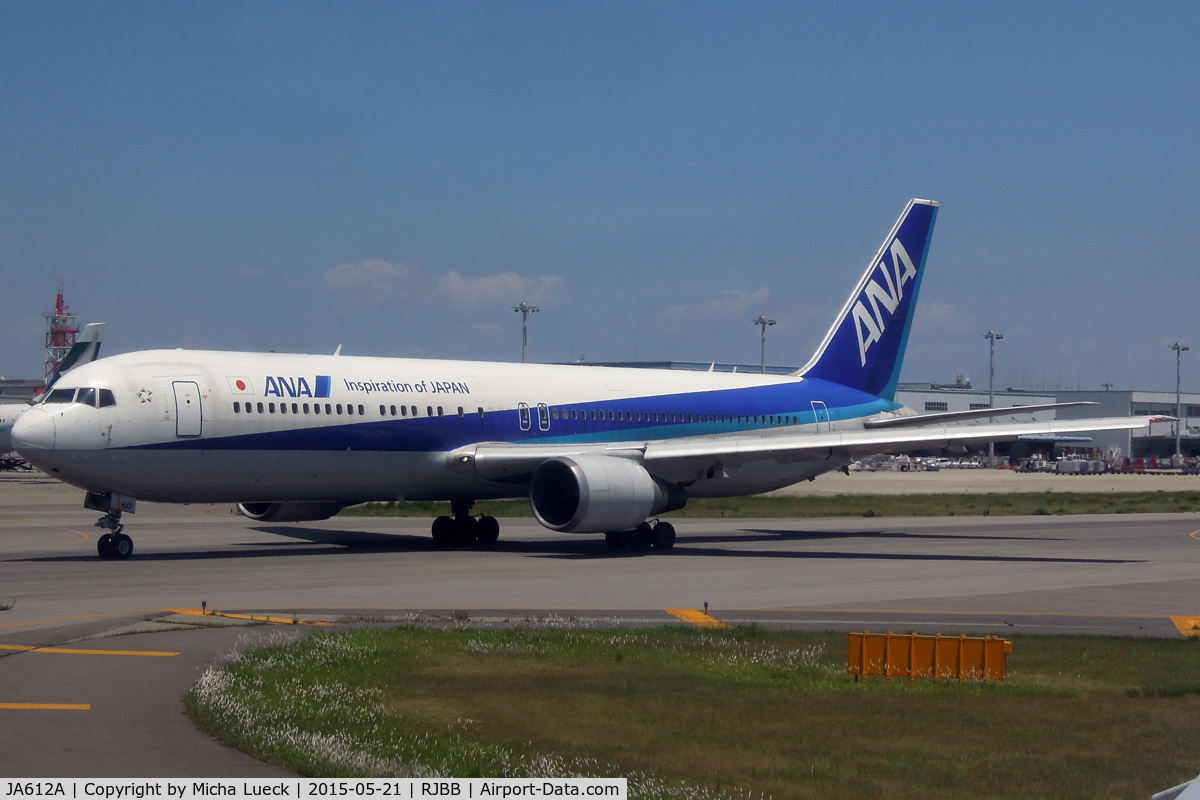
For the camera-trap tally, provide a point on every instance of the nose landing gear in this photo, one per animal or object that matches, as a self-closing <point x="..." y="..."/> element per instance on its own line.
<point x="114" y="545"/>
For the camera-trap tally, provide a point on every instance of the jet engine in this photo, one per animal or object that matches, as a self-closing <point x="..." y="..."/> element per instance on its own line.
<point x="598" y="494"/>
<point x="289" y="512"/>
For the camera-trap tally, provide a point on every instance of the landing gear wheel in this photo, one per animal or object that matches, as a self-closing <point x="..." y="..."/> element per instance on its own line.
<point x="641" y="537"/>
<point x="487" y="531"/>
<point x="122" y="546"/>
<point x="104" y="547"/>
<point x="443" y="531"/>
<point x="663" y="536"/>
<point x="615" y="540"/>
<point x="465" y="530"/>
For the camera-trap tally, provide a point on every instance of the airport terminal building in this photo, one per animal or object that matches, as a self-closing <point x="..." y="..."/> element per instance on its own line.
<point x="1159" y="440"/>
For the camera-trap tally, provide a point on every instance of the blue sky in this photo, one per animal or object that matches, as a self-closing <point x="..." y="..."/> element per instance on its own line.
<point x="394" y="177"/>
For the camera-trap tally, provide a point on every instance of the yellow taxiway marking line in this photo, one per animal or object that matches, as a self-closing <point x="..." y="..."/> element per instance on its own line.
<point x="698" y="618"/>
<point x="1188" y="626"/>
<point x="25" y="648"/>
<point x="40" y="622"/>
<point x="1195" y="535"/>
<point x="45" y="707"/>
<point x="84" y="538"/>
<point x="251" y="617"/>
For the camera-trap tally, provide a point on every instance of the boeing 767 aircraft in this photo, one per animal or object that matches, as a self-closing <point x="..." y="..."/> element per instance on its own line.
<point x="595" y="449"/>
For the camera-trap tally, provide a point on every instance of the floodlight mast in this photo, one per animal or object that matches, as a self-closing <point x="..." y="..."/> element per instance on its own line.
<point x="763" y="321"/>
<point x="992" y="336"/>
<point x="525" y="310"/>
<point x="1179" y="349"/>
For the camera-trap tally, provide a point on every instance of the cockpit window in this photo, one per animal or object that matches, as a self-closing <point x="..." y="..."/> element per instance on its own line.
<point x="87" y="396"/>
<point x="60" y="396"/>
<point x="107" y="398"/>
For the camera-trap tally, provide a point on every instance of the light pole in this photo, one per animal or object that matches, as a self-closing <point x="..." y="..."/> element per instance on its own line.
<point x="525" y="309"/>
<point x="763" y="321"/>
<point x="1179" y="349"/>
<point x="992" y="336"/>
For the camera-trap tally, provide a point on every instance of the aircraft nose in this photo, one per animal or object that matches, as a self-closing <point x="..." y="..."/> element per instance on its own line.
<point x="33" y="435"/>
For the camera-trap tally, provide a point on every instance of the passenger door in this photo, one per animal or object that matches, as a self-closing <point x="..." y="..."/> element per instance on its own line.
<point x="189" y="418"/>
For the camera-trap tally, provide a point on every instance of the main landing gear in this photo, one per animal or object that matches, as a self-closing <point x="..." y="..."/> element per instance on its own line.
<point x="463" y="529"/>
<point x="659" y="535"/>
<point x="115" y="545"/>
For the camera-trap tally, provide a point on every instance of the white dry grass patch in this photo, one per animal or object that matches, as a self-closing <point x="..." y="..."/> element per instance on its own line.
<point x="261" y="700"/>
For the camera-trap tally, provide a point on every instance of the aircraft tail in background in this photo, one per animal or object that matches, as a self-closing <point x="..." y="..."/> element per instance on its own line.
<point x="85" y="350"/>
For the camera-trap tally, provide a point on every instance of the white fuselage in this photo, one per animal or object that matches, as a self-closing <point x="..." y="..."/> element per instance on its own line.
<point x="195" y="426"/>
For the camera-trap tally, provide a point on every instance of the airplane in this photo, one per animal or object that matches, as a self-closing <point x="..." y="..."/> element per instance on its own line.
<point x="85" y="350"/>
<point x="602" y="450"/>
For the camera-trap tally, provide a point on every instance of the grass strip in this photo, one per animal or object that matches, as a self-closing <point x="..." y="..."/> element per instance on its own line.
<point x="690" y="713"/>
<point x="914" y="505"/>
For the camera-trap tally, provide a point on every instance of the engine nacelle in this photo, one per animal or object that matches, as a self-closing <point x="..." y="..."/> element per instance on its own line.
<point x="598" y="494"/>
<point x="289" y="512"/>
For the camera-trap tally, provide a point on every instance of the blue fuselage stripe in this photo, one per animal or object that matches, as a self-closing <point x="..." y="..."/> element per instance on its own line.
<point x="660" y="417"/>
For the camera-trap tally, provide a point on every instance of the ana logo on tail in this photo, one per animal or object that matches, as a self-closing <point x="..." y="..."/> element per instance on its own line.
<point x="870" y="325"/>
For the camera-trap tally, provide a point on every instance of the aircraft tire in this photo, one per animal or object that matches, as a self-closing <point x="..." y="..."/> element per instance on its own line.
<point x="615" y="540"/>
<point x="465" y="531"/>
<point x="487" y="531"/>
<point x="663" y="537"/>
<point x="104" y="547"/>
<point x="641" y="537"/>
<point x="122" y="546"/>
<point x="443" y="531"/>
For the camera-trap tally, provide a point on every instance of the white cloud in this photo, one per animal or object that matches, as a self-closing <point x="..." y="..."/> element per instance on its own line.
<point x="732" y="303"/>
<point x="504" y="287"/>
<point x="375" y="281"/>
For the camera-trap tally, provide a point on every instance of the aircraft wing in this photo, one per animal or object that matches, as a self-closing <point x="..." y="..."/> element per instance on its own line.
<point x="500" y="461"/>
<point x="914" y="420"/>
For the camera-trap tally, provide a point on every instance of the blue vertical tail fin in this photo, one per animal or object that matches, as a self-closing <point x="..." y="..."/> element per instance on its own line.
<point x="865" y="346"/>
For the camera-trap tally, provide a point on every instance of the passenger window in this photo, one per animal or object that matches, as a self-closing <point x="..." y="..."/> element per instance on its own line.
<point x="383" y="411"/>
<point x="271" y="408"/>
<point x="260" y="408"/>
<point x="414" y="411"/>
<point x="392" y="408"/>
<point x="306" y="408"/>
<point x="237" y="407"/>
<point x="429" y="411"/>
<point x="295" y="408"/>
<point x="404" y="411"/>
<point x="328" y="409"/>
<point x="316" y="408"/>
<point x="481" y="412"/>
<point x="361" y="412"/>
<point x="439" y="411"/>
<point x="460" y="412"/>
<point x="339" y="409"/>
<point x="283" y="408"/>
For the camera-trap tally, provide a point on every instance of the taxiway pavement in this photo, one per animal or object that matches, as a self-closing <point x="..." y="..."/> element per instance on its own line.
<point x="1120" y="575"/>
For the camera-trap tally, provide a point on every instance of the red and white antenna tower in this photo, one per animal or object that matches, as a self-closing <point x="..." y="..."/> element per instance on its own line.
<point x="61" y="330"/>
